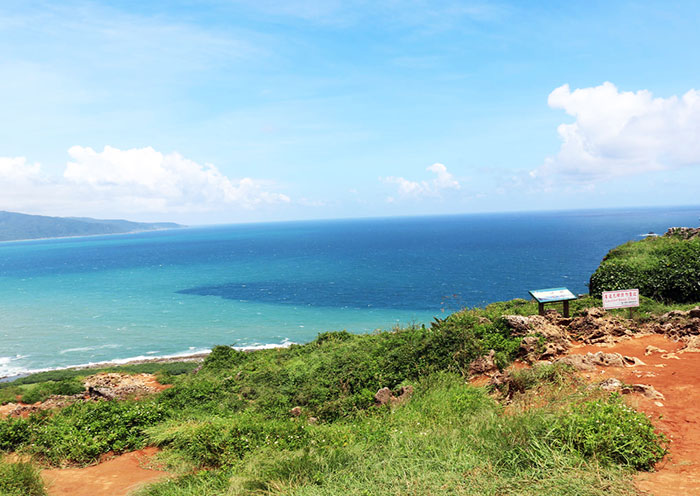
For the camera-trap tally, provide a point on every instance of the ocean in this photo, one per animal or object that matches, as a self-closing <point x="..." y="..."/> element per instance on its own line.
<point x="76" y="301"/>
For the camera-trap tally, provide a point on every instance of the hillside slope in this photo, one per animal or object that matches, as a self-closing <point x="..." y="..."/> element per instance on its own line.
<point x="16" y="226"/>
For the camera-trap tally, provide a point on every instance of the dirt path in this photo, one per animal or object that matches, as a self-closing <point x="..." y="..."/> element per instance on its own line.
<point x="116" y="477"/>
<point x="677" y="377"/>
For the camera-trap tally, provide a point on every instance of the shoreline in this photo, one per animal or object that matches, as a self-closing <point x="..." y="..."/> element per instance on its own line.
<point x="197" y="357"/>
<point x="140" y="360"/>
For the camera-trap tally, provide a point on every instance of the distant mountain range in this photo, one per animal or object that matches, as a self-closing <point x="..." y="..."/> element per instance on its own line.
<point x="14" y="226"/>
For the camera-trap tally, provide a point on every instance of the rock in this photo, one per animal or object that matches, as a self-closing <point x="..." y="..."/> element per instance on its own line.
<point x="692" y="344"/>
<point x="645" y="389"/>
<point x="529" y="345"/>
<point x="674" y="314"/>
<point x="590" y="360"/>
<point x="683" y="232"/>
<point x="594" y="326"/>
<point x="653" y="349"/>
<point x="543" y="336"/>
<point x="101" y="393"/>
<point x="483" y="364"/>
<point x="404" y="394"/>
<point x="54" y="401"/>
<point x="383" y="396"/>
<point x="498" y="379"/>
<point x="519" y="325"/>
<point x="608" y="359"/>
<point x="576" y="361"/>
<point x="296" y="411"/>
<point x="632" y="361"/>
<point x="313" y="420"/>
<point x="694" y="313"/>
<point x="669" y="356"/>
<point x="611" y="384"/>
<point x="119" y="385"/>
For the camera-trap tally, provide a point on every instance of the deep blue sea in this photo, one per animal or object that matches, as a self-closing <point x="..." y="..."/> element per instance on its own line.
<point x="111" y="298"/>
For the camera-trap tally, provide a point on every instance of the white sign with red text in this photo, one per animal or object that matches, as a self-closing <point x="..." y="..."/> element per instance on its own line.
<point x="624" y="298"/>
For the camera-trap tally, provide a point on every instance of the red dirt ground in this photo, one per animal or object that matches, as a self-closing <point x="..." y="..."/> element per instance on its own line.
<point x="677" y="377"/>
<point x="116" y="477"/>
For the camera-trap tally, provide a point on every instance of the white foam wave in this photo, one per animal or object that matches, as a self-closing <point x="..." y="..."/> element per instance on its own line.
<point x="286" y="343"/>
<point x="7" y="371"/>
<point x="90" y="348"/>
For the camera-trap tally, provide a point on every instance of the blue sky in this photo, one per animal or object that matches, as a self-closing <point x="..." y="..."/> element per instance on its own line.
<point x="231" y="111"/>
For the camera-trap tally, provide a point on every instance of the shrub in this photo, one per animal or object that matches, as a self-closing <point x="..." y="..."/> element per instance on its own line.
<point x="203" y="483"/>
<point x="216" y="441"/>
<point x="666" y="269"/>
<point x="13" y="433"/>
<point x="41" y="392"/>
<point x="611" y="432"/>
<point x="82" y="432"/>
<point x="20" y="479"/>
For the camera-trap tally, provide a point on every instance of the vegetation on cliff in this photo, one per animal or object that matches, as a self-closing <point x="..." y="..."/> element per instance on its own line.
<point x="666" y="268"/>
<point x="306" y="420"/>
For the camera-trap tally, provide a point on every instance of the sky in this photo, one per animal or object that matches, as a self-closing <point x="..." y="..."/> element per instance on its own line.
<point x="226" y="111"/>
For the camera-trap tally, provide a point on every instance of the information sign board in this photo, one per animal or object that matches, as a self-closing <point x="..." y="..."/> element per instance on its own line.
<point x="625" y="298"/>
<point x="552" y="294"/>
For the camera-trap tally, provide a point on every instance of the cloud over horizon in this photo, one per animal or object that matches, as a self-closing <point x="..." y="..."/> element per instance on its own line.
<point x="443" y="180"/>
<point x="137" y="180"/>
<point x="622" y="133"/>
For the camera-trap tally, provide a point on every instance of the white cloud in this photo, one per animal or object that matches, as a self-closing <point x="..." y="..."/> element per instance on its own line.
<point x="16" y="169"/>
<point x="622" y="133"/>
<point x="443" y="180"/>
<point x="139" y="180"/>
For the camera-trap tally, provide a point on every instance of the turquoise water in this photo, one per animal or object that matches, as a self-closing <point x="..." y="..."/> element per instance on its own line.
<point x="84" y="300"/>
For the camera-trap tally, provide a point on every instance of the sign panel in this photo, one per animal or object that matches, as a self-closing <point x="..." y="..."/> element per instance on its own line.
<point x="624" y="298"/>
<point x="552" y="294"/>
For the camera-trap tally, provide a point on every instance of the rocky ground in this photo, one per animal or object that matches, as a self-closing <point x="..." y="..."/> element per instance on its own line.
<point x="655" y="363"/>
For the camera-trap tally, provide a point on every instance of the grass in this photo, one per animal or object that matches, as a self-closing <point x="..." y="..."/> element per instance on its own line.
<point x="229" y="428"/>
<point x="451" y="438"/>
<point x="20" y="479"/>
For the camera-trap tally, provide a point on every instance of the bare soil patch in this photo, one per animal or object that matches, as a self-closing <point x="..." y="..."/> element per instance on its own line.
<point x="676" y="375"/>
<point x="116" y="477"/>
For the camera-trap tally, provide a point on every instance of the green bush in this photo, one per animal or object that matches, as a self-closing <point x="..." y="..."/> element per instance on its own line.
<point x="665" y="268"/>
<point x="202" y="483"/>
<point x="336" y="375"/>
<point x="40" y="392"/>
<point x="9" y="393"/>
<point x="611" y="432"/>
<point x="14" y="432"/>
<point x="217" y="441"/>
<point x="80" y="433"/>
<point x="20" y="479"/>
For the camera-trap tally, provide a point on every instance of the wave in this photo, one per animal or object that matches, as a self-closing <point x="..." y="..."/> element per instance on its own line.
<point x="8" y="372"/>
<point x="90" y="348"/>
